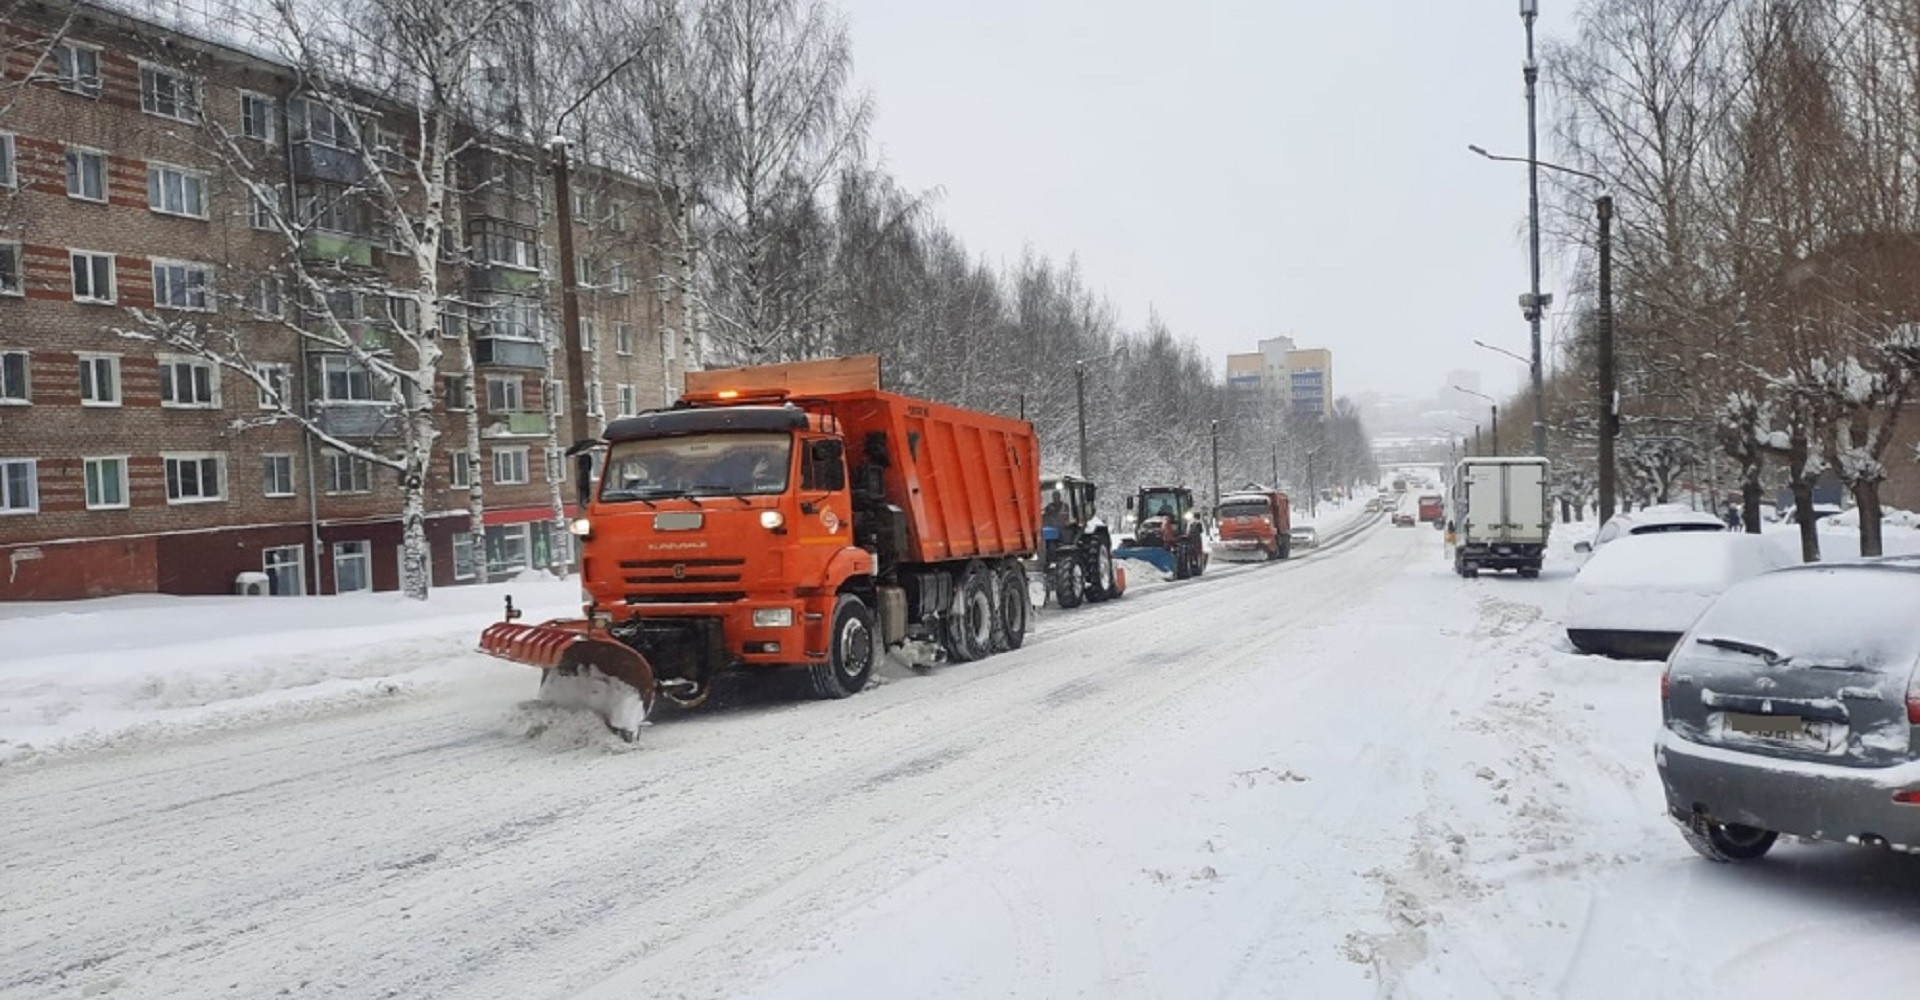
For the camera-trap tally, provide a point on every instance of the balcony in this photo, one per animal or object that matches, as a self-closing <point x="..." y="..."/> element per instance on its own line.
<point x="340" y="249"/>
<point x="353" y="420"/>
<point x="500" y="278"/>
<point x="517" y="425"/>
<point x="507" y="352"/>
<point x="314" y="161"/>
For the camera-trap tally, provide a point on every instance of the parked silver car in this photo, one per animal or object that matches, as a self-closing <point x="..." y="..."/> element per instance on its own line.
<point x="1793" y="706"/>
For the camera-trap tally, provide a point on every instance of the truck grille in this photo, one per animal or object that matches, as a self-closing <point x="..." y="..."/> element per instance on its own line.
<point x="714" y="597"/>
<point x="680" y="571"/>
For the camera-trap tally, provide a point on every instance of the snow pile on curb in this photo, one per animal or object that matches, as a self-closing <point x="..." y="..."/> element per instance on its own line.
<point x="80" y="673"/>
<point x="1889" y="517"/>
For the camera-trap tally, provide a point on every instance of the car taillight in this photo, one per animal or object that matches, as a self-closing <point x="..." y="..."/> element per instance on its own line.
<point x="1913" y="699"/>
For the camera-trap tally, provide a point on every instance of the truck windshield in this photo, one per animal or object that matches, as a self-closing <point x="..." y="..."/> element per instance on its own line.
<point x="723" y="464"/>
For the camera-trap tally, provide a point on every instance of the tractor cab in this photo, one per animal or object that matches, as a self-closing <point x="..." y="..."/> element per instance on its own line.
<point x="1172" y="505"/>
<point x="1069" y="508"/>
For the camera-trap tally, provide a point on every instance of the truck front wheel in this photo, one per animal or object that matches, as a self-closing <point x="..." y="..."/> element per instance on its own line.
<point x="849" y="651"/>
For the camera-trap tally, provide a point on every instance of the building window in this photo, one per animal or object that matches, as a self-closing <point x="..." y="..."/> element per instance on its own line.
<point x="168" y="94"/>
<point x="511" y="316"/>
<point x="19" y="486"/>
<point x="92" y="277"/>
<point x="86" y="174"/>
<point x="256" y="116"/>
<point x="195" y="478"/>
<point x="264" y="297"/>
<point x="403" y="313"/>
<point x="351" y="567"/>
<point x="262" y="206"/>
<point x="13" y="280"/>
<point x="173" y="191"/>
<point x="336" y="208"/>
<point x="106" y="483"/>
<point x="509" y="466"/>
<point x="188" y="382"/>
<point x="583" y="270"/>
<point x="313" y="121"/>
<point x="460" y="470"/>
<point x="275" y="384"/>
<point x="79" y="68"/>
<point x="616" y="216"/>
<point x="99" y="380"/>
<point x="276" y="475"/>
<point x="9" y="175"/>
<point x="463" y="555"/>
<point x="14" y="387"/>
<point x="623" y="338"/>
<point x="504" y="244"/>
<point x="348" y="473"/>
<point x="587" y="334"/>
<point x="345" y="380"/>
<point x="458" y="392"/>
<point x="506" y="548"/>
<point x="629" y="400"/>
<point x="617" y="278"/>
<point x="178" y="285"/>
<point x="504" y="394"/>
<point x="286" y="570"/>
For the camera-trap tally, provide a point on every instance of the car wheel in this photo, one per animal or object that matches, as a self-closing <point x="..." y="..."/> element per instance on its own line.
<point x="1727" y="842"/>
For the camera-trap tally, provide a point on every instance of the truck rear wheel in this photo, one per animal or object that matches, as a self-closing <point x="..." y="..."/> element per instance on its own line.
<point x="970" y="625"/>
<point x="1014" y="605"/>
<point x="849" y="651"/>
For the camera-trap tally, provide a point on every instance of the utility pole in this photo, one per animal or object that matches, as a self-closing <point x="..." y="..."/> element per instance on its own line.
<point x="570" y="298"/>
<point x="1080" y="408"/>
<point x="1534" y="303"/>
<point x="1607" y="391"/>
<point x="1495" y="433"/>
<point x="1216" y="462"/>
<point x="1276" y="467"/>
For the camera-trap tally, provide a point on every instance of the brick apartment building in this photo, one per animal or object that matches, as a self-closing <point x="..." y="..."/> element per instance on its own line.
<point x="126" y="468"/>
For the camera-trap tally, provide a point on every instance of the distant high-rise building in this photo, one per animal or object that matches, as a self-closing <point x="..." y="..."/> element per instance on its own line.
<point x="1310" y="382"/>
<point x="1297" y="380"/>
<point x="1246" y="373"/>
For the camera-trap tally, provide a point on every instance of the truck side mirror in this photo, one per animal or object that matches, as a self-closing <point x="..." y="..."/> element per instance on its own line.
<point x="1130" y="501"/>
<point x="1092" y="494"/>
<point x="583" y="479"/>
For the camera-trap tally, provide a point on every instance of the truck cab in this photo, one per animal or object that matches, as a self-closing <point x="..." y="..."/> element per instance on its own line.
<point x="1255" y="524"/>
<point x="718" y="536"/>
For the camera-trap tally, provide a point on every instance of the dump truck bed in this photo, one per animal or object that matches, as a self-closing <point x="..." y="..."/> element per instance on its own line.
<point x="968" y="481"/>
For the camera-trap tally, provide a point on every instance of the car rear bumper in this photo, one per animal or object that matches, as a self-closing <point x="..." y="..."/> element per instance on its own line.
<point x="1803" y="798"/>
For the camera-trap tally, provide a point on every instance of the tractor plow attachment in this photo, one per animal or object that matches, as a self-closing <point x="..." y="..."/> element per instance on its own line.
<point x="1162" y="559"/>
<point x="584" y="669"/>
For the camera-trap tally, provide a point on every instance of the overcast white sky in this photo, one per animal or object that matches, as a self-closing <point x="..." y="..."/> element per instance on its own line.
<point x="1247" y="167"/>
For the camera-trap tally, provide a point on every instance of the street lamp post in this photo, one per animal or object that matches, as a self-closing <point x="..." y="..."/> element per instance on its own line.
<point x="1494" y="404"/>
<point x="1533" y="305"/>
<point x="1080" y="411"/>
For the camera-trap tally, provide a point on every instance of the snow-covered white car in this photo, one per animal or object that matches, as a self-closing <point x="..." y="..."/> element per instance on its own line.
<point x="1793" y="706"/>
<point x="1655" y="520"/>
<point x="1636" y="597"/>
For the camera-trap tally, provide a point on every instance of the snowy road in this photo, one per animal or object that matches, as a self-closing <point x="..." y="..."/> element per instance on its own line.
<point x="1349" y="775"/>
<point x="429" y="847"/>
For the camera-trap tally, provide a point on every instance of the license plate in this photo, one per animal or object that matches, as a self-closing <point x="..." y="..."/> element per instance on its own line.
<point x="1791" y="727"/>
<point x="678" y="521"/>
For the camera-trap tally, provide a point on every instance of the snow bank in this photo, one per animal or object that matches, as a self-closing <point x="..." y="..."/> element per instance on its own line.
<point x="1889" y="518"/>
<point x="86" y="671"/>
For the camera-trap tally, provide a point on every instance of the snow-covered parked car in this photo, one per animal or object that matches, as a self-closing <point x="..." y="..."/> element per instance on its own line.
<point x="1655" y="520"/>
<point x="1638" y="595"/>
<point x="1793" y="706"/>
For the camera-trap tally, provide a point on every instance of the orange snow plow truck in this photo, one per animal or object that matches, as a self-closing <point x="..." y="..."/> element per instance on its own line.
<point x="786" y="516"/>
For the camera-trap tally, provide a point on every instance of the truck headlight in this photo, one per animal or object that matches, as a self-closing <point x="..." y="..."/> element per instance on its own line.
<point x="580" y="527"/>
<point x="772" y="520"/>
<point x="773" y="618"/>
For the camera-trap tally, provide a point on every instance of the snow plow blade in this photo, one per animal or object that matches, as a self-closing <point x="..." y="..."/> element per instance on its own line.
<point x="1162" y="559"/>
<point x="583" y="670"/>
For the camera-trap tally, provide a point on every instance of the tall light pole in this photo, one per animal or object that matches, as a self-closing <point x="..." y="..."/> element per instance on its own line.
<point x="1533" y="305"/>
<point x="1215" y="431"/>
<point x="1495" y="405"/>
<point x="1080" y="410"/>
<point x="1606" y="389"/>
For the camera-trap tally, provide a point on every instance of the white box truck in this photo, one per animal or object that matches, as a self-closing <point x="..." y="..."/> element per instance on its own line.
<point x="1501" y="515"/>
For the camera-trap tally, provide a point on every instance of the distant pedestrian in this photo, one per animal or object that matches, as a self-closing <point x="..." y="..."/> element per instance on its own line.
<point x="1733" y="518"/>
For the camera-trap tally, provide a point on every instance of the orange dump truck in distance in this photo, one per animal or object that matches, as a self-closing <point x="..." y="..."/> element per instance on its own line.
<point x="1255" y="524"/>
<point x="791" y="515"/>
